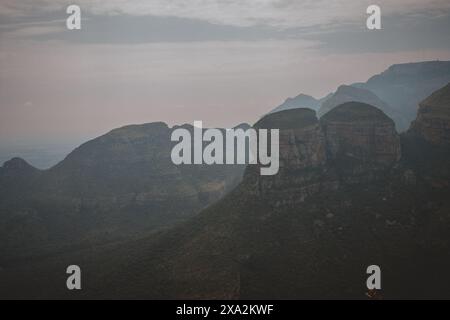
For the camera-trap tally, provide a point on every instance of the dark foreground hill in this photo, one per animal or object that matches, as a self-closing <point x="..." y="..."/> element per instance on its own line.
<point x="350" y="193"/>
<point x="119" y="186"/>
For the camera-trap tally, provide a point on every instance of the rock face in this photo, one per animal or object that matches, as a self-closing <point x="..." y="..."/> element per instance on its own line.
<point x="353" y="136"/>
<point x="357" y="131"/>
<point x="302" y="156"/>
<point x="433" y="118"/>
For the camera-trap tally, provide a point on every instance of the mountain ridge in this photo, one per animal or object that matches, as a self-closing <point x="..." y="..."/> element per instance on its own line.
<point x="351" y="192"/>
<point x="122" y="184"/>
<point x="337" y="206"/>
<point x="398" y="91"/>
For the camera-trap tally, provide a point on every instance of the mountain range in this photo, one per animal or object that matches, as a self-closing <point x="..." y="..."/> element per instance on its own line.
<point x="351" y="192"/>
<point x="118" y="186"/>
<point x="396" y="91"/>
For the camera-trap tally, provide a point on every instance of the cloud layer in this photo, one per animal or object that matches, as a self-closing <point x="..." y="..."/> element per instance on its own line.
<point x="275" y="13"/>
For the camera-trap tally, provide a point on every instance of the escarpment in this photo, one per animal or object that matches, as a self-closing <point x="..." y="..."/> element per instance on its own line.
<point x="433" y="118"/>
<point x="353" y="143"/>
<point x="357" y="131"/>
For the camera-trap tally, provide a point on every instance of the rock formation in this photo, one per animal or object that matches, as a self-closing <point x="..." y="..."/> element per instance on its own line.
<point x="358" y="131"/>
<point x="354" y="141"/>
<point x="302" y="156"/>
<point x="433" y="118"/>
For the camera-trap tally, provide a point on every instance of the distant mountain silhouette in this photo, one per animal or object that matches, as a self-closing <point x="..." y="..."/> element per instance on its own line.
<point x="396" y="91"/>
<point x="300" y="101"/>
<point x="17" y="169"/>
<point x="404" y="86"/>
<point x="348" y="94"/>
<point x="16" y="178"/>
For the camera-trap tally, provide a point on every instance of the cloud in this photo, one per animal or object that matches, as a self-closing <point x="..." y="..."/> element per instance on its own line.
<point x="179" y="68"/>
<point x="32" y="31"/>
<point x="275" y="13"/>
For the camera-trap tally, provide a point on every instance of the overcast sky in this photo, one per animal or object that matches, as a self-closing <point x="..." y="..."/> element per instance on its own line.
<point x="220" y="61"/>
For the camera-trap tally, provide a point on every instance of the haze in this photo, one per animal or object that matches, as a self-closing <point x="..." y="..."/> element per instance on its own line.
<point x="222" y="62"/>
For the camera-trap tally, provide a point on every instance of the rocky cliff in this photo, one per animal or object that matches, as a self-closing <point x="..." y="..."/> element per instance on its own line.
<point x="433" y="118"/>
<point x="358" y="131"/>
<point x="352" y="142"/>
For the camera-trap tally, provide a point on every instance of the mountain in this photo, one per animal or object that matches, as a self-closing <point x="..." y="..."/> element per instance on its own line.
<point x="404" y="86"/>
<point x="300" y="101"/>
<point x="16" y="176"/>
<point x="118" y="186"/>
<point x="351" y="192"/>
<point x="348" y="94"/>
<point x="346" y="197"/>
<point x="17" y="171"/>
<point x="397" y="91"/>
<point x="433" y="118"/>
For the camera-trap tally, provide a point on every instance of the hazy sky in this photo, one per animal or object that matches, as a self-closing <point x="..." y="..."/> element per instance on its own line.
<point x="220" y="61"/>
